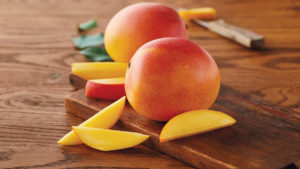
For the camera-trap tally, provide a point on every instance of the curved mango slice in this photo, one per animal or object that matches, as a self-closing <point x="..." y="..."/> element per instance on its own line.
<point x="103" y="119"/>
<point x="108" y="140"/>
<point x="194" y="122"/>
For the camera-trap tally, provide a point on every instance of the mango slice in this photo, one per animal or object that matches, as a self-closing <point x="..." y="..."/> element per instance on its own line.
<point x="194" y="122"/>
<point x="103" y="119"/>
<point x="117" y="80"/>
<point x="107" y="140"/>
<point x="99" y="70"/>
<point x="206" y="13"/>
<point x="109" y="89"/>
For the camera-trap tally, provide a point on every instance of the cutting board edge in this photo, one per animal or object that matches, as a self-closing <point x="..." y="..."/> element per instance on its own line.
<point x="72" y="106"/>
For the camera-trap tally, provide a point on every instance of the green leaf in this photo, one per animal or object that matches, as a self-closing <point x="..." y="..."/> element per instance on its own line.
<point x="88" y="25"/>
<point x="96" y="54"/>
<point x="84" y="41"/>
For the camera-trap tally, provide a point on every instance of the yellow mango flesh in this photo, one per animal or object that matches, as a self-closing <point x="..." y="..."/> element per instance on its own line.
<point x="99" y="70"/>
<point x="108" y="140"/>
<point x="194" y="122"/>
<point x="118" y="80"/>
<point x="206" y="13"/>
<point x="103" y="119"/>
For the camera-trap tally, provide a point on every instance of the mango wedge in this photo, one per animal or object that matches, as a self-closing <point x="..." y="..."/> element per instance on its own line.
<point x="109" y="89"/>
<point x="103" y="119"/>
<point x="108" y="140"/>
<point x="198" y="13"/>
<point x="194" y="122"/>
<point x="99" y="70"/>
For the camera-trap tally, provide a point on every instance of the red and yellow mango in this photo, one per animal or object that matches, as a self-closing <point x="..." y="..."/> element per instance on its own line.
<point x="170" y="76"/>
<point x="138" y="24"/>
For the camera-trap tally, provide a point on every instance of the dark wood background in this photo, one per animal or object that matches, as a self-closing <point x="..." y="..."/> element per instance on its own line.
<point x="36" y="52"/>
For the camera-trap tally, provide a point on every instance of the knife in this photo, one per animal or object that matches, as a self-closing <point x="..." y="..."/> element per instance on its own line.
<point x="240" y="35"/>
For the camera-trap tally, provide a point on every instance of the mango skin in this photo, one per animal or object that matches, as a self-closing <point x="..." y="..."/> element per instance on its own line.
<point x="113" y="90"/>
<point x="138" y="24"/>
<point x="170" y="76"/>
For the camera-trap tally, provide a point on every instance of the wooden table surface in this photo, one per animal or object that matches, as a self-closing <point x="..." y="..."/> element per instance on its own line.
<point x="36" y="52"/>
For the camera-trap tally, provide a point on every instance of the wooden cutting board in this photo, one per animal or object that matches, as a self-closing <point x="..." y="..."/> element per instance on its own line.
<point x="265" y="136"/>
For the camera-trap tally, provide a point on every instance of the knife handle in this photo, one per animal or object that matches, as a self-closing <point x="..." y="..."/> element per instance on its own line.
<point x="242" y="36"/>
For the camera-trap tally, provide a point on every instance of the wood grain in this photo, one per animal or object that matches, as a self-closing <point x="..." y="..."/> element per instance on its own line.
<point x="36" y="52"/>
<point x="32" y="124"/>
<point x="244" y="145"/>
